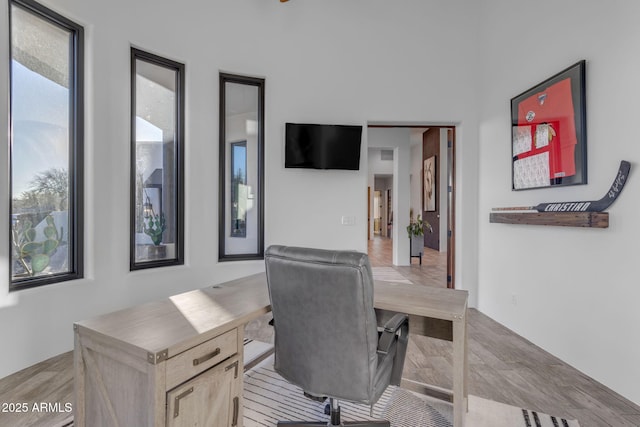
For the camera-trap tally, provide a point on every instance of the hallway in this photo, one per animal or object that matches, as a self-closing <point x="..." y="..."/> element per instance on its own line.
<point x="432" y="272"/>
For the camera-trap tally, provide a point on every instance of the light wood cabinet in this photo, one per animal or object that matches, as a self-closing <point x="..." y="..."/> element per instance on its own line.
<point x="210" y="399"/>
<point x="171" y="363"/>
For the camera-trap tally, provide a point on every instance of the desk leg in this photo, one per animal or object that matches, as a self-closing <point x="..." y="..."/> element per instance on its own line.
<point x="79" y="390"/>
<point x="466" y="364"/>
<point x="460" y="367"/>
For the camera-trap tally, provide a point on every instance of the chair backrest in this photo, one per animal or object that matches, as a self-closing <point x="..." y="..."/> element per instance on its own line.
<point x="325" y="324"/>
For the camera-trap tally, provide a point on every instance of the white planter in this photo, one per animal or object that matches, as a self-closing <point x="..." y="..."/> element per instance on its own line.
<point x="417" y="246"/>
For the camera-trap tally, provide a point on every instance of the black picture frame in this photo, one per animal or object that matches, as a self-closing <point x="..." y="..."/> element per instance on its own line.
<point x="549" y="132"/>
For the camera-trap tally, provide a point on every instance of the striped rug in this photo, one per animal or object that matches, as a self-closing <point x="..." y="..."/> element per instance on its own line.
<point x="269" y="398"/>
<point x="487" y="413"/>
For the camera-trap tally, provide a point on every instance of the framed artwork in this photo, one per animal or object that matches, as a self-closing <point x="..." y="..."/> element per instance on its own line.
<point x="429" y="187"/>
<point x="549" y="132"/>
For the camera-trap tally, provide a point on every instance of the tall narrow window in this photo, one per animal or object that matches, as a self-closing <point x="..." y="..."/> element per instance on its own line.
<point x="46" y="154"/>
<point x="241" y="214"/>
<point x="157" y="132"/>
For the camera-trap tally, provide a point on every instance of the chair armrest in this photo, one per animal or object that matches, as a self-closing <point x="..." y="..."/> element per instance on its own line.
<point x="395" y="322"/>
<point x="399" y="322"/>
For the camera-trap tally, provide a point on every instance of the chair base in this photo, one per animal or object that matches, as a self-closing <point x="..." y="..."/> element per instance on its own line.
<point x="328" y="424"/>
<point x="333" y="409"/>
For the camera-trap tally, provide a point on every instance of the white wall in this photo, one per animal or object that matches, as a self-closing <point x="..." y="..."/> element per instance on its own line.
<point x="576" y="289"/>
<point x="325" y="62"/>
<point x="397" y="139"/>
<point x="377" y="166"/>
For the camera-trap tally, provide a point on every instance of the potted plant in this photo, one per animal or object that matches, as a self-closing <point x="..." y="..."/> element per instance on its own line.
<point x="154" y="227"/>
<point x="415" y="232"/>
<point x="34" y="256"/>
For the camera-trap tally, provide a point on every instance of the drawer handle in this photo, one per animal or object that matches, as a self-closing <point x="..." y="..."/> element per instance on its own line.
<point x="236" y="410"/>
<point x="234" y="366"/>
<point x="176" y="409"/>
<point x="206" y="357"/>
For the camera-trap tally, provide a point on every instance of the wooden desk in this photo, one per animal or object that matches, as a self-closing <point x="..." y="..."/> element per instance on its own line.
<point x="137" y="366"/>
<point x="433" y="312"/>
<point x="183" y="355"/>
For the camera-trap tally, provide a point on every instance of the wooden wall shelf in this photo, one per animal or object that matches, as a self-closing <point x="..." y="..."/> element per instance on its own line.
<point x="565" y="219"/>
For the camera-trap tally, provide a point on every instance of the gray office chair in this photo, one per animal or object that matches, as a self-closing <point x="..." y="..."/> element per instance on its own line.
<point x="326" y="336"/>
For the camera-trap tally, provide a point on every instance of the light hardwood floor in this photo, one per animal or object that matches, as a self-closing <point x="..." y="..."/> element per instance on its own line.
<point x="433" y="270"/>
<point x="503" y="367"/>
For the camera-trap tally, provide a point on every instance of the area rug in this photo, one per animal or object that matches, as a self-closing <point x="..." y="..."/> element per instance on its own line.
<point x="487" y="413"/>
<point x="269" y="398"/>
<point x="388" y="274"/>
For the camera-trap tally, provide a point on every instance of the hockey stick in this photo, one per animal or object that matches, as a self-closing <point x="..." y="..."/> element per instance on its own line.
<point x="587" y="206"/>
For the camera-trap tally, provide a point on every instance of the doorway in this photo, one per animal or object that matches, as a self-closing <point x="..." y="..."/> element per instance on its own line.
<point x="418" y="149"/>
<point x="377" y="212"/>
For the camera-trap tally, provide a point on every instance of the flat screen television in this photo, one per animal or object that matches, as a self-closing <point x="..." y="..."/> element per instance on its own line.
<point x="316" y="146"/>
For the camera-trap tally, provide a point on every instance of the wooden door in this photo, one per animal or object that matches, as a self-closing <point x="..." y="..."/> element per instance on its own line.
<point x="212" y="398"/>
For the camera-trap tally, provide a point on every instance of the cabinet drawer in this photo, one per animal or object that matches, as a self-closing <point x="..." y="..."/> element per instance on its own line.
<point x="200" y="358"/>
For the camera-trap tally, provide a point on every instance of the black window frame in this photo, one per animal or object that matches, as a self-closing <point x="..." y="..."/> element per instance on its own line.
<point x="76" y="146"/>
<point x="179" y="68"/>
<point x="222" y="208"/>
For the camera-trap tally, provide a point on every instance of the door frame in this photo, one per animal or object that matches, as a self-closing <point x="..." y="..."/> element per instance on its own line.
<point x="451" y="206"/>
<point x="450" y="188"/>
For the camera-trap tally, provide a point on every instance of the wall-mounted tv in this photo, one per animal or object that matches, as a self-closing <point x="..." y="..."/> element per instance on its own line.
<point x="316" y="146"/>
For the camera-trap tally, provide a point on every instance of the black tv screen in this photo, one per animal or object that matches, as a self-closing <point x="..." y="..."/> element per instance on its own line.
<point x="317" y="146"/>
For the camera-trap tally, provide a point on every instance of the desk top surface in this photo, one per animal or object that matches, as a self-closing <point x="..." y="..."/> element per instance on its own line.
<point x="182" y="321"/>
<point x="420" y="300"/>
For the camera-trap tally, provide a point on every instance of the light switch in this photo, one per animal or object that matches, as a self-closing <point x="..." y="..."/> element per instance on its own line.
<point x="348" y="220"/>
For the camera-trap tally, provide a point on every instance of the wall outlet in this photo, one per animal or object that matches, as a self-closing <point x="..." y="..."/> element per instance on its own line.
<point x="348" y="220"/>
<point x="514" y="299"/>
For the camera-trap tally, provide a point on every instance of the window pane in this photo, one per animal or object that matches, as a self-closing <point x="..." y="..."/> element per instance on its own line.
<point x="241" y="217"/>
<point x="42" y="232"/>
<point x="156" y="147"/>
<point x="239" y="189"/>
